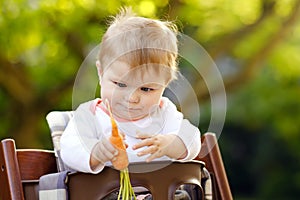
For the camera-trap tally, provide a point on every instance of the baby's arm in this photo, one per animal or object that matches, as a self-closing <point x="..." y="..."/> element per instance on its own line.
<point x="76" y="145"/>
<point x="191" y="137"/>
<point x="185" y="145"/>
<point x="181" y="140"/>
<point x="81" y="147"/>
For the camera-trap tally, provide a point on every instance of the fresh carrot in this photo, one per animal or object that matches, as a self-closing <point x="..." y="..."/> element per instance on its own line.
<point x="116" y="139"/>
<point x="121" y="162"/>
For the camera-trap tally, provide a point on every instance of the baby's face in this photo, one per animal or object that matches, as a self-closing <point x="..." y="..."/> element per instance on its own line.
<point x="132" y="93"/>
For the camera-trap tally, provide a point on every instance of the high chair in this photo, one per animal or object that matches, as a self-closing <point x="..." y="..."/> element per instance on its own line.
<point x="22" y="168"/>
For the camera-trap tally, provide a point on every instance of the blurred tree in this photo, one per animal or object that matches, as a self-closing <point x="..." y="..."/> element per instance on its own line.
<point x="254" y="43"/>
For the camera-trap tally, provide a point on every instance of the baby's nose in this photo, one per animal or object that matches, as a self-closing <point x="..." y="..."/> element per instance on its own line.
<point x="134" y="97"/>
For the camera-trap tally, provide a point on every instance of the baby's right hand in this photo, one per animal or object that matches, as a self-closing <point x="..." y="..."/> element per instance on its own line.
<point x="102" y="152"/>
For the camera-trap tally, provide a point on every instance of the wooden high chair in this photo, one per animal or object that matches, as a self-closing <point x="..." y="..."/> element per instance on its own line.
<point x="22" y="168"/>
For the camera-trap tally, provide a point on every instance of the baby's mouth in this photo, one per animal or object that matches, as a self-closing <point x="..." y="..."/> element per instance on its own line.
<point x="133" y="109"/>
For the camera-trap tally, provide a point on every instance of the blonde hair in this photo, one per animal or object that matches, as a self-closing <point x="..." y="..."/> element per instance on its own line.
<point x="139" y="41"/>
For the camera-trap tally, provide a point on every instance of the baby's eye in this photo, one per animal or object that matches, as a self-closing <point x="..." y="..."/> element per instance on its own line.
<point x="120" y="84"/>
<point x="145" y="89"/>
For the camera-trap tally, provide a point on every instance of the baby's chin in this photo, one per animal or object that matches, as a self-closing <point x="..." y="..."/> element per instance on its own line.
<point x="129" y="117"/>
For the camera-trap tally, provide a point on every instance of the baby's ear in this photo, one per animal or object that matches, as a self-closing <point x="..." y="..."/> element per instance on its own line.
<point x="99" y="68"/>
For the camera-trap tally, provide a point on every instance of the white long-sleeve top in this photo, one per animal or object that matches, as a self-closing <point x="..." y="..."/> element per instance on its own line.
<point x="90" y="123"/>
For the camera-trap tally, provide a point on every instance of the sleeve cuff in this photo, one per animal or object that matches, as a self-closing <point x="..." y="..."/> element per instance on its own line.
<point x="190" y="135"/>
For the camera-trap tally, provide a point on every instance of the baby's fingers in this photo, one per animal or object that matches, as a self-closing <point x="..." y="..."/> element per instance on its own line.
<point x="143" y="143"/>
<point x="140" y="135"/>
<point x="108" y="146"/>
<point x="150" y="150"/>
<point x="153" y="156"/>
<point x="104" y="151"/>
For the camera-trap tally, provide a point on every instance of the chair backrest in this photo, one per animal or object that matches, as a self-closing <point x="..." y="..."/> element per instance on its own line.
<point x="57" y="122"/>
<point x="21" y="170"/>
<point x="210" y="154"/>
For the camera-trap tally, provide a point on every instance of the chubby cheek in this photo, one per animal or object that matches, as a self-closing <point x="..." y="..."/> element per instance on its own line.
<point x="110" y="94"/>
<point x="150" y="103"/>
<point x="106" y="92"/>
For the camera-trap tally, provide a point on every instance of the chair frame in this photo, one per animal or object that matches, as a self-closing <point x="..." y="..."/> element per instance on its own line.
<point x="21" y="170"/>
<point x="210" y="154"/>
<point x="19" y="179"/>
<point x="162" y="178"/>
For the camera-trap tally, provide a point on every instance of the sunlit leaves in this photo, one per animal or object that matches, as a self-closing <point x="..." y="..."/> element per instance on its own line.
<point x="285" y="58"/>
<point x="268" y="101"/>
<point x="247" y="11"/>
<point x="217" y="17"/>
<point x="286" y="62"/>
<point x="254" y="42"/>
<point x="147" y="8"/>
<point x="284" y="7"/>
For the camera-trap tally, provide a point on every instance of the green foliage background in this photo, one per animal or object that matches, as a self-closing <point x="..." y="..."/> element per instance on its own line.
<point x="255" y="43"/>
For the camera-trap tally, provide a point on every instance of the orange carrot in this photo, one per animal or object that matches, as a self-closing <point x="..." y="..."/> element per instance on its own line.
<point x="121" y="162"/>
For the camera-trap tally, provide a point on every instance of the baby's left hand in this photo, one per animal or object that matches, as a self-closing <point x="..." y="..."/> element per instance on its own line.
<point x="158" y="145"/>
